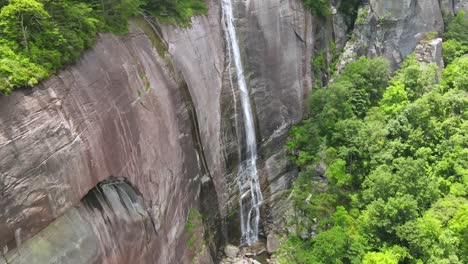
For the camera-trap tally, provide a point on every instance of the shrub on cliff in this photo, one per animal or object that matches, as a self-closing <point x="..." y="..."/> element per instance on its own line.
<point x="388" y="184"/>
<point x="39" y="37"/>
<point x="320" y="8"/>
<point x="455" y="37"/>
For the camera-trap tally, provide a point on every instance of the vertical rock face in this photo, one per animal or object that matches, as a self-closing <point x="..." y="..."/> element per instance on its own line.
<point x="122" y="111"/>
<point x="460" y="5"/>
<point x="111" y="225"/>
<point x="392" y="28"/>
<point x="276" y="40"/>
<point x="453" y="6"/>
<point x="198" y="53"/>
<point x="118" y="112"/>
<point x="160" y="108"/>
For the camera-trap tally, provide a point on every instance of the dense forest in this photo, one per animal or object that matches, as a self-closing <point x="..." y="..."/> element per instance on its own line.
<point x="383" y="156"/>
<point x="384" y="163"/>
<point x="39" y="37"/>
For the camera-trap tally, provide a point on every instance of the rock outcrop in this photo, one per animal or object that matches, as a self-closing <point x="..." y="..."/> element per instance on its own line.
<point x="392" y="28"/>
<point x="276" y="41"/>
<point x="110" y="225"/>
<point x="430" y="51"/>
<point x="118" y="112"/>
<point x="460" y="5"/>
<point x="159" y="107"/>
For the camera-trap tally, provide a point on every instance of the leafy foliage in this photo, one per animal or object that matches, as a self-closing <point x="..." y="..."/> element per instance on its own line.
<point x="320" y="8"/>
<point x="180" y="11"/>
<point x="456" y="37"/>
<point x="39" y="37"/>
<point x="384" y="167"/>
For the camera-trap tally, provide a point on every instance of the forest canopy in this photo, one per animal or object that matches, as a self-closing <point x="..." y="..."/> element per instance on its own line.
<point x="384" y="163"/>
<point x="39" y="37"/>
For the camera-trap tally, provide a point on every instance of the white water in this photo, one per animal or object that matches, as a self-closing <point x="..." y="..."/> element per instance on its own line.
<point x="250" y="194"/>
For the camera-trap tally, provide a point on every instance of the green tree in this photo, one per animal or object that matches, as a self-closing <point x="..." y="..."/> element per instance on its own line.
<point x="456" y="74"/>
<point x="17" y="70"/>
<point x="23" y="22"/>
<point x="386" y="256"/>
<point x="320" y="8"/>
<point x="394" y="98"/>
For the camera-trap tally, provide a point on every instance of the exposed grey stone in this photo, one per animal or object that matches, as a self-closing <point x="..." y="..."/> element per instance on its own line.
<point x="460" y="5"/>
<point x="120" y="112"/>
<point x="231" y="251"/>
<point x="117" y="112"/>
<point x="273" y="243"/>
<point x="392" y="29"/>
<point x="430" y="51"/>
<point x="110" y="225"/>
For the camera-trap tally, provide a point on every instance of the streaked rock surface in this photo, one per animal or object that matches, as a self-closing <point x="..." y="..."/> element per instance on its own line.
<point x="392" y="29"/>
<point x="158" y="107"/>
<point x="117" y="112"/>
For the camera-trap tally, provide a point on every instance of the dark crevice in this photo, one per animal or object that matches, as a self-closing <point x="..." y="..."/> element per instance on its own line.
<point x="208" y="195"/>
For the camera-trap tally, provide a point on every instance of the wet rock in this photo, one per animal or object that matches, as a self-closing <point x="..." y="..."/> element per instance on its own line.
<point x="277" y="58"/>
<point x="242" y="260"/>
<point x="231" y="251"/>
<point x="276" y="44"/>
<point x="110" y="225"/>
<point x="253" y="250"/>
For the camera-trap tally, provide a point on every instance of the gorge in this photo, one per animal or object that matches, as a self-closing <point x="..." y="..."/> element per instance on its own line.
<point x="167" y="144"/>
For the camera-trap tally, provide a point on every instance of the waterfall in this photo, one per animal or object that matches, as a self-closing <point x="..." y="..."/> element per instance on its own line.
<point x="250" y="195"/>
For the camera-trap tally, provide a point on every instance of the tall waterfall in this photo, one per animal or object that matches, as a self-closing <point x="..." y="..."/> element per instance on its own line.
<point x="250" y="198"/>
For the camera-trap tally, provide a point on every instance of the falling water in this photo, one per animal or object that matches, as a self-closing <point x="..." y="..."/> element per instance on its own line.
<point x="250" y="194"/>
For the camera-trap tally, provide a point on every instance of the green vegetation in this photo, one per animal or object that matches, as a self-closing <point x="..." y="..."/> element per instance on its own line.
<point x="319" y="8"/>
<point x="176" y="12"/>
<point x="349" y="9"/>
<point x="385" y="18"/>
<point x="193" y="218"/>
<point x="39" y="37"/>
<point x="384" y="166"/>
<point x="456" y="37"/>
<point x="362" y="15"/>
<point x="323" y="69"/>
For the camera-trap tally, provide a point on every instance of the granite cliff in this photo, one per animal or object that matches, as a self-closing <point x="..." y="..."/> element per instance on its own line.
<point x="139" y="142"/>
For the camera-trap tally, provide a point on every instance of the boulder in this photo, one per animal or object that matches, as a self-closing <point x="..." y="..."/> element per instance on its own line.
<point x="231" y="251"/>
<point x="273" y="243"/>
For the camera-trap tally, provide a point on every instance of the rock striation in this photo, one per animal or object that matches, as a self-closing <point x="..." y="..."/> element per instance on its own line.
<point x="110" y="225"/>
<point x="392" y="28"/>
<point x="159" y="107"/>
<point x="117" y="112"/>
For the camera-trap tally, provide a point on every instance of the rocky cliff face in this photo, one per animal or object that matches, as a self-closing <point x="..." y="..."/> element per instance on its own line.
<point x="118" y="112"/>
<point x="110" y="225"/>
<point x="392" y="28"/>
<point x="159" y="108"/>
<point x="275" y="41"/>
